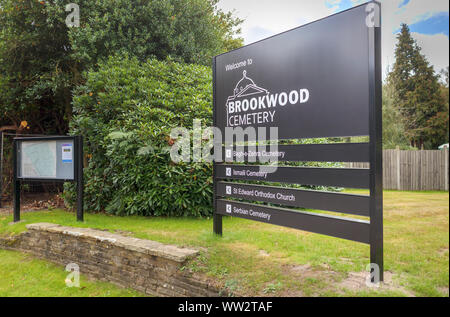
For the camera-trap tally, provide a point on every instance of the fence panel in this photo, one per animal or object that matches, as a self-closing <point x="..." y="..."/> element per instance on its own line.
<point x="413" y="170"/>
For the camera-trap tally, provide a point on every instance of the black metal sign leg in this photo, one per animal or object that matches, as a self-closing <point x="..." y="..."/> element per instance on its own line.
<point x="217" y="224"/>
<point x="376" y="156"/>
<point x="16" y="200"/>
<point x="80" y="181"/>
<point x="16" y="182"/>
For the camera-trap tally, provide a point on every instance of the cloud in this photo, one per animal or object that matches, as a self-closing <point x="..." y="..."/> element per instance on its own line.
<point x="333" y="4"/>
<point x="257" y="33"/>
<point x="435" y="48"/>
<point x="438" y="23"/>
<point x="414" y="12"/>
<point x="404" y="2"/>
<point x="275" y="16"/>
<point x="264" y="18"/>
<point x="394" y="13"/>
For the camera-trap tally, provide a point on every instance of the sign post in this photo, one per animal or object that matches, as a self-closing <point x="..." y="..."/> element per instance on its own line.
<point x="376" y="151"/>
<point x="16" y="184"/>
<point x="79" y="177"/>
<point x="52" y="158"/>
<point x="320" y="80"/>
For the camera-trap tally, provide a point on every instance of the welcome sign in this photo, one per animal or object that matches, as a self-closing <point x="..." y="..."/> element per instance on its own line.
<point x="320" y="80"/>
<point x="316" y="75"/>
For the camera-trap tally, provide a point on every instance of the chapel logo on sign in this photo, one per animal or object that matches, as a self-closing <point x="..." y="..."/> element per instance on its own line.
<point x="251" y="104"/>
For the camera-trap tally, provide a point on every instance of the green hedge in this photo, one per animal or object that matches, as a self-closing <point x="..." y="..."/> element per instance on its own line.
<point x="125" y="111"/>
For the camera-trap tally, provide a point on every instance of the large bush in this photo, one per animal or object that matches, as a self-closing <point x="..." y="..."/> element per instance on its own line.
<point x="125" y="112"/>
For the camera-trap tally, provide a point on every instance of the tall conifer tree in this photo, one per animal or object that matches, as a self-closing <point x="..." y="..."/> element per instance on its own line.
<point x="417" y="94"/>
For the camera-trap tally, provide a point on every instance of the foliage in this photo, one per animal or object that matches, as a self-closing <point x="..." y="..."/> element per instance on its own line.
<point x="42" y="60"/>
<point x="126" y="111"/>
<point x="393" y="129"/>
<point x="36" y="69"/>
<point x="417" y="94"/>
<point x="191" y="30"/>
<point x="443" y="126"/>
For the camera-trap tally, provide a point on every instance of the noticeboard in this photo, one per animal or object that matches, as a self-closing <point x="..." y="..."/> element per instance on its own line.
<point x="46" y="159"/>
<point x="320" y="80"/>
<point x="49" y="158"/>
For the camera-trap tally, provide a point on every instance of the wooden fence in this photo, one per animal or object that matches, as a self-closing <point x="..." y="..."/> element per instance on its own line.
<point x="413" y="170"/>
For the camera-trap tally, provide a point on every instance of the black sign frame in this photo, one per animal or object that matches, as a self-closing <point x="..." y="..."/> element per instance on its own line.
<point x="369" y="232"/>
<point x="77" y="172"/>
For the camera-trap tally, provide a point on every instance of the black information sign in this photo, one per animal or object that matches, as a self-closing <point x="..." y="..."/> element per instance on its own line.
<point x="316" y="75"/>
<point x="52" y="158"/>
<point x="319" y="80"/>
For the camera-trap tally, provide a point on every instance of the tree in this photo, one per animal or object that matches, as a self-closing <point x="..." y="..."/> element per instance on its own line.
<point x="190" y="31"/>
<point x="417" y="94"/>
<point x="441" y="121"/>
<point x="393" y="128"/>
<point x="42" y="60"/>
<point x="35" y="67"/>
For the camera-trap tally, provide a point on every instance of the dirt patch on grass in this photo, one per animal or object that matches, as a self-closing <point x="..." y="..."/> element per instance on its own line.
<point x="325" y="279"/>
<point x="294" y="293"/>
<point x="443" y="290"/>
<point x="300" y="269"/>
<point x="311" y="280"/>
<point x="356" y="282"/>
<point x="443" y="252"/>
<point x="322" y="272"/>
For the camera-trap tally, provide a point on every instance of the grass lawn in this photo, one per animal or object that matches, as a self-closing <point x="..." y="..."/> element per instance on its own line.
<point x="259" y="259"/>
<point x="22" y="275"/>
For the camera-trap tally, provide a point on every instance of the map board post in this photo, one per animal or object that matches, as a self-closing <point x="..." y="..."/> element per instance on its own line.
<point x="320" y="80"/>
<point x="52" y="158"/>
<point x="1" y="167"/>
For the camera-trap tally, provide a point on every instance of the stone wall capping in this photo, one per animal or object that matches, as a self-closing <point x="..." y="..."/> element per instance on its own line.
<point x="169" y="252"/>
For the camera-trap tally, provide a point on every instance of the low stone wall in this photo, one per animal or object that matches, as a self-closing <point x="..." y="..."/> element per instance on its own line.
<point x="147" y="266"/>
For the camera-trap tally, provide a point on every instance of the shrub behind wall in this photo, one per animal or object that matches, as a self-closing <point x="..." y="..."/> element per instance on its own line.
<point x="125" y="112"/>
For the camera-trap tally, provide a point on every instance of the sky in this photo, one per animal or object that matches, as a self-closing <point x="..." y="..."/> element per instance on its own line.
<point x="428" y="21"/>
